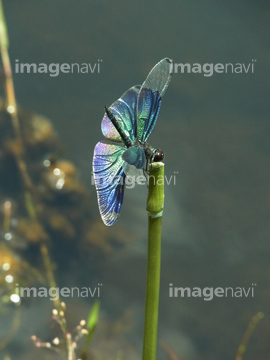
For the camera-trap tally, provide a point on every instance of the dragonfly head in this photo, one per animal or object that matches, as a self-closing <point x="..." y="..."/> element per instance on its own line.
<point x="158" y="155"/>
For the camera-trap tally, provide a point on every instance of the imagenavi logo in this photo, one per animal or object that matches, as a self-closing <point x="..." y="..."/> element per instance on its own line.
<point x="208" y="293"/>
<point x="209" y="69"/>
<point x="131" y="180"/>
<point x="54" y="69"/>
<point x="55" y="293"/>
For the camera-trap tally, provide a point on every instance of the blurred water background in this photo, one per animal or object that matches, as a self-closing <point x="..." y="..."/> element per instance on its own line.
<point x="215" y="134"/>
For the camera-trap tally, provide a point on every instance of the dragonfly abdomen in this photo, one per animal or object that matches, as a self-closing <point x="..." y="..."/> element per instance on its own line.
<point x="124" y="136"/>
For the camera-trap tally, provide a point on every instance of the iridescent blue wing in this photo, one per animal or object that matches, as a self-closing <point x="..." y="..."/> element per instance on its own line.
<point x="149" y="98"/>
<point x="125" y="111"/>
<point x="109" y="179"/>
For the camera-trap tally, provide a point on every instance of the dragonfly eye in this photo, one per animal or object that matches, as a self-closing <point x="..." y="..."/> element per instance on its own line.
<point x="159" y="155"/>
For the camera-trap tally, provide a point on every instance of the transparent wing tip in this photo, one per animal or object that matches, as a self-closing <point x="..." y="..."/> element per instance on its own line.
<point x="169" y="62"/>
<point x="110" y="219"/>
<point x="159" y="77"/>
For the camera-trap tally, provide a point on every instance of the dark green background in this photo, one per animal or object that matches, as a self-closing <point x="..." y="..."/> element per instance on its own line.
<point x="214" y="131"/>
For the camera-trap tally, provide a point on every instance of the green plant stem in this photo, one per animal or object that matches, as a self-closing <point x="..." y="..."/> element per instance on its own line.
<point x="155" y="203"/>
<point x="14" y="328"/>
<point x="28" y="187"/>
<point x="12" y="110"/>
<point x="245" y="340"/>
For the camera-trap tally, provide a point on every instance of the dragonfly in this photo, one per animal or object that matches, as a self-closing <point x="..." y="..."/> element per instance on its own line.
<point x="127" y="123"/>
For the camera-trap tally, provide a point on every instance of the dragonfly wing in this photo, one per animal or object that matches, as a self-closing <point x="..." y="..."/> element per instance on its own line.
<point x="150" y="95"/>
<point x="132" y="172"/>
<point x="159" y="77"/>
<point x="109" y="179"/>
<point x="125" y="111"/>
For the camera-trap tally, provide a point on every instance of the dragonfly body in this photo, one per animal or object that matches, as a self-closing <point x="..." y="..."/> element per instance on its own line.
<point x="128" y="122"/>
<point x="137" y="151"/>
